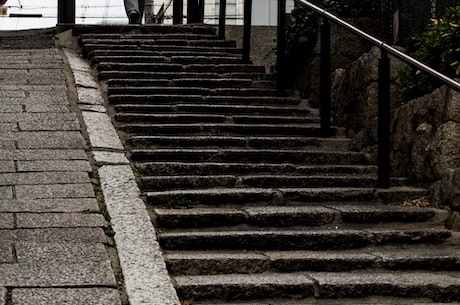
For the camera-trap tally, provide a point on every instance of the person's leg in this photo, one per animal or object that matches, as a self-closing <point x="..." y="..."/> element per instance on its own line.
<point x="134" y="11"/>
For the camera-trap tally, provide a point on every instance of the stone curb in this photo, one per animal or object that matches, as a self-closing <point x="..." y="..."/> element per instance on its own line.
<point x="144" y="270"/>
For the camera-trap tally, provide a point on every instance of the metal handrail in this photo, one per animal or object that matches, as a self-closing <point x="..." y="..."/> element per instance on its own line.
<point x="393" y="51"/>
<point x="384" y="116"/>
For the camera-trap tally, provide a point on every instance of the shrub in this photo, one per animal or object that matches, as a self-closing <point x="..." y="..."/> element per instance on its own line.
<point x="437" y="47"/>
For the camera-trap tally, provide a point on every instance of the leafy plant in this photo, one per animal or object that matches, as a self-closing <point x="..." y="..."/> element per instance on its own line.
<point x="437" y="47"/>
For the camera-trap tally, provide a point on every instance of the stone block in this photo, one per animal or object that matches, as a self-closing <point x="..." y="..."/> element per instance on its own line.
<point x="6" y="192"/>
<point x="53" y="166"/>
<point x="42" y="154"/>
<point x="60" y="205"/>
<point x="79" y="190"/>
<point x="54" y="235"/>
<point x="68" y="296"/>
<point x="51" y="139"/>
<point x="59" y="220"/>
<point x="7" y="167"/>
<point x="6" y="221"/>
<point x="102" y="133"/>
<point x="6" y="255"/>
<point x="43" y="178"/>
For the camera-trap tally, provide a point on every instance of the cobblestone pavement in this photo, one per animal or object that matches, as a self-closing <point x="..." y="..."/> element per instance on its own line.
<point x="53" y="243"/>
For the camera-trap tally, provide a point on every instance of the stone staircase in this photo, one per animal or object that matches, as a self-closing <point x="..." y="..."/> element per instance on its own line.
<point x="250" y="205"/>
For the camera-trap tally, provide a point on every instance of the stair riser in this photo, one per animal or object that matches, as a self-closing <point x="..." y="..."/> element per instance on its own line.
<point x="247" y="156"/>
<point x="161" y="183"/>
<point x="134" y="75"/>
<point x="177" y="168"/>
<point x="251" y="266"/>
<point x="203" y="83"/>
<point x="177" y="99"/>
<point x="233" y="142"/>
<point x="166" y="41"/>
<point x="172" y="67"/>
<point x="282" y="196"/>
<point x="302" y="240"/>
<point x="213" y="109"/>
<point x="189" y="91"/>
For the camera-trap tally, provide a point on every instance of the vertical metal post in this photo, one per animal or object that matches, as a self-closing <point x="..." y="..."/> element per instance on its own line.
<point x="247" y="30"/>
<point x="195" y="11"/>
<point x="178" y="11"/>
<point x="383" y="154"/>
<point x="222" y="17"/>
<point x="325" y="78"/>
<point x="66" y="11"/>
<point x="281" y="46"/>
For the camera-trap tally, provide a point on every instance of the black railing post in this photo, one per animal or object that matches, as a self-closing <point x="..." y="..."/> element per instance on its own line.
<point x="66" y="11"/>
<point x="178" y="11"/>
<point x="222" y="18"/>
<point x="281" y="46"/>
<point x="247" y="30"/>
<point x="195" y="11"/>
<point x="383" y="154"/>
<point x="325" y="78"/>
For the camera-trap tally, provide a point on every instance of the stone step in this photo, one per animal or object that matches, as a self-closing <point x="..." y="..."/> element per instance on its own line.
<point x="253" y="110"/>
<point x="372" y="300"/>
<point x="143" y="36"/>
<point x="184" y="60"/>
<point x="310" y="130"/>
<point x="152" y="183"/>
<point x="263" y="196"/>
<point x="139" y="41"/>
<point x="119" y="52"/>
<point x="296" y="238"/>
<point x="248" y="155"/>
<point x="203" y="91"/>
<point x="153" y="99"/>
<point x="414" y="257"/>
<point x="198" y="29"/>
<point x="153" y="75"/>
<point x="317" y="215"/>
<point x="188" y="82"/>
<point x="169" y="118"/>
<point x="177" y="67"/>
<point x="325" y="285"/>
<point x="213" y="168"/>
<point x="323" y="144"/>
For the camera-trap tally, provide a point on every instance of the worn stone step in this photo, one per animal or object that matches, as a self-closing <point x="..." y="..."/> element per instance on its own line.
<point x="174" y="59"/>
<point x="152" y="99"/>
<point x="432" y="285"/>
<point x="203" y="91"/>
<point x="199" y="129"/>
<point x="184" y="82"/>
<point x="380" y="258"/>
<point x="212" y="168"/>
<point x="235" y="53"/>
<point x="296" y="239"/>
<point x="151" y="183"/>
<point x="295" y="215"/>
<point x="222" y="196"/>
<point x="168" y="118"/>
<point x="324" y="144"/>
<point x="249" y="155"/>
<point x="372" y="300"/>
<point x="145" y="40"/>
<point x="137" y="36"/>
<point x="80" y="29"/>
<point x="134" y="75"/>
<point x="177" y="67"/>
<point x="254" y="110"/>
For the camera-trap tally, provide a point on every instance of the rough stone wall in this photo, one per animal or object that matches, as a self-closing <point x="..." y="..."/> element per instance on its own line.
<point x="425" y="144"/>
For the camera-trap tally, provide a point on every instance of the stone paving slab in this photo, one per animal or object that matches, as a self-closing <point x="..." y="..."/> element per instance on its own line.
<point x="68" y="296"/>
<point x="6" y="253"/>
<point x="7" y="166"/>
<point x="77" y="190"/>
<point x="51" y="205"/>
<point x="6" y="221"/>
<point x="42" y="154"/>
<point x="59" y="220"/>
<point x="3" y="293"/>
<point x="54" y="235"/>
<point x="48" y="166"/>
<point x="43" y="178"/>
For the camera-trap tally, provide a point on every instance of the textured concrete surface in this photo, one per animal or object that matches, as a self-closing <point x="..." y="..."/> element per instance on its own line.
<point x="52" y="235"/>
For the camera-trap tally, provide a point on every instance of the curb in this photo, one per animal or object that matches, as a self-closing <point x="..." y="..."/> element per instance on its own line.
<point x="146" y="278"/>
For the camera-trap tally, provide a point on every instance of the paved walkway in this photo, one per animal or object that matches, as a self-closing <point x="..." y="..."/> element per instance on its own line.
<point x="56" y="246"/>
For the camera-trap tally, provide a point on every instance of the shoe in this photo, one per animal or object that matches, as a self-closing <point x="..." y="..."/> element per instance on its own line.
<point x="134" y="17"/>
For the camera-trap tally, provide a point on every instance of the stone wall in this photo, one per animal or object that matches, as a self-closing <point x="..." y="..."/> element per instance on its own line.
<point x="425" y="144"/>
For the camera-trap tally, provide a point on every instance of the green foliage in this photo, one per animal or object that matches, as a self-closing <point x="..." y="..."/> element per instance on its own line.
<point x="439" y="48"/>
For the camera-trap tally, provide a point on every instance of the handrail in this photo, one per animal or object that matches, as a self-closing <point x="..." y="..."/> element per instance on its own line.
<point x="393" y="51"/>
<point x="384" y="116"/>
